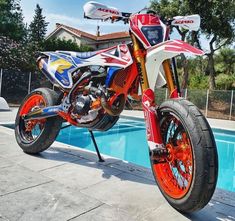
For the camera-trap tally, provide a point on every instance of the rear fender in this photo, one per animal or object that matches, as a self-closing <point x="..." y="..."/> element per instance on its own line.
<point x="57" y="68"/>
<point x="166" y="50"/>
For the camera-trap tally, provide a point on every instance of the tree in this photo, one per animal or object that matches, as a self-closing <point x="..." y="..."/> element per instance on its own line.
<point x="16" y="56"/>
<point x="38" y="27"/>
<point x="218" y="26"/>
<point x="225" y="82"/>
<point x="225" y="61"/>
<point x="62" y="44"/>
<point x="11" y="20"/>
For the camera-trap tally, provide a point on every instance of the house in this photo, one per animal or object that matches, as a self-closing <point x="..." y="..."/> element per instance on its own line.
<point x="83" y="38"/>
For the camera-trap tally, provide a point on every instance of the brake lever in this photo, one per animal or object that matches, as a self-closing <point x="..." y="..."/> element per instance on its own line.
<point x="169" y="21"/>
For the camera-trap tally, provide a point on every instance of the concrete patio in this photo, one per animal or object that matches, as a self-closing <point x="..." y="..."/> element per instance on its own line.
<point x="67" y="183"/>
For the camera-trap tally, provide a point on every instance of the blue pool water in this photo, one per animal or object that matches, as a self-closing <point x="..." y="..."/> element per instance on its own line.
<point x="127" y="141"/>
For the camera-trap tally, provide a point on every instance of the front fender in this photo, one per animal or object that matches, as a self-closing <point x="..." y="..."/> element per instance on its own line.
<point x="165" y="50"/>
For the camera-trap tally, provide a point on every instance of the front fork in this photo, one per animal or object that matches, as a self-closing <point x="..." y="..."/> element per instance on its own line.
<point x="154" y="137"/>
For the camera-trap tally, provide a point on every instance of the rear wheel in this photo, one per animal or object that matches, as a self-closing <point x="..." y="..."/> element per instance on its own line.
<point x="188" y="177"/>
<point x="35" y="136"/>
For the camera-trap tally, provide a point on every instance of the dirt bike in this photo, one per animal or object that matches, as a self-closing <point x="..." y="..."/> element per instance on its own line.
<point x="94" y="88"/>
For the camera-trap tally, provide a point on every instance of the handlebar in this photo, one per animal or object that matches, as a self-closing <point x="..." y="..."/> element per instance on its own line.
<point x="98" y="11"/>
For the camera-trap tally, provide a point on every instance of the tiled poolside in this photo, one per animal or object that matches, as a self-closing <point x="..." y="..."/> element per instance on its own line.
<point x="67" y="183"/>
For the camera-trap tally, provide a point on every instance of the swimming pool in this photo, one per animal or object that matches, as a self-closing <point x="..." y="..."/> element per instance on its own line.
<point x="127" y="141"/>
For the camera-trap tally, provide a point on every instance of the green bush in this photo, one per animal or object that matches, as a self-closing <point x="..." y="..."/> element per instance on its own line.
<point x="225" y="82"/>
<point x="198" y="81"/>
<point x="62" y="44"/>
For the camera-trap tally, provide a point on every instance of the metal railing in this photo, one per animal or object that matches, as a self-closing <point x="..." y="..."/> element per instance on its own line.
<point x="220" y="104"/>
<point x="15" y="85"/>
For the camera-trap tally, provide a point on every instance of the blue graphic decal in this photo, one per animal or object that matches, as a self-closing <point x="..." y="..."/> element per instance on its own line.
<point x="63" y="78"/>
<point x="45" y="71"/>
<point x="57" y="69"/>
<point x="77" y="60"/>
<point x="52" y="110"/>
<point x="111" y="73"/>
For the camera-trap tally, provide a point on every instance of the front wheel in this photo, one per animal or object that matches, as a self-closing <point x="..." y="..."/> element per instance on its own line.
<point x="188" y="177"/>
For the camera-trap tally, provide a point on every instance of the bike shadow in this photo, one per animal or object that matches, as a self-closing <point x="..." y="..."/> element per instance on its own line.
<point x="125" y="171"/>
<point x="87" y="159"/>
<point x="214" y="211"/>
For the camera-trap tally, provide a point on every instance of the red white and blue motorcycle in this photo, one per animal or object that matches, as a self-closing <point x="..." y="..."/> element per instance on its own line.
<point x="94" y="87"/>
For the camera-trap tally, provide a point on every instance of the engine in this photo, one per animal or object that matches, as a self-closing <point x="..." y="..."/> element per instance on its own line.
<point x="89" y="96"/>
<point x="86" y="104"/>
<point x="82" y="104"/>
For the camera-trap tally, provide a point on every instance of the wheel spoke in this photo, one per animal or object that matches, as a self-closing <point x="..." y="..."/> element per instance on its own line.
<point x="175" y="176"/>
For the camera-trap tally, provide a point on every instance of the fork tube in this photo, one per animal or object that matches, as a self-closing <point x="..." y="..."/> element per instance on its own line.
<point x="140" y="57"/>
<point x="168" y="74"/>
<point x="148" y="101"/>
<point x="176" y="75"/>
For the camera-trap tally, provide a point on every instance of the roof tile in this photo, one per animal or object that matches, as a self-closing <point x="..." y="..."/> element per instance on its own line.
<point x="110" y="36"/>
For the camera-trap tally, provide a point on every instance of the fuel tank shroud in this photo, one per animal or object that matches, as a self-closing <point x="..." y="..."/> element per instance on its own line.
<point x="59" y="66"/>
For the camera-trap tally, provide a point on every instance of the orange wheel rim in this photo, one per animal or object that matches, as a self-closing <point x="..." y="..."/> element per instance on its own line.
<point x="33" y="101"/>
<point x="175" y="176"/>
<point x="32" y="128"/>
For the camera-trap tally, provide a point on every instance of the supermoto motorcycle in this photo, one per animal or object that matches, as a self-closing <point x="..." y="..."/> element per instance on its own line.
<point x="94" y="87"/>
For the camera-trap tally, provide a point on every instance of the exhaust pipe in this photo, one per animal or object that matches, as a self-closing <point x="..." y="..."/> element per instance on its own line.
<point x="113" y="111"/>
<point x="116" y="111"/>
<point x="43" y="113"/>
<point x="52" y="111"/>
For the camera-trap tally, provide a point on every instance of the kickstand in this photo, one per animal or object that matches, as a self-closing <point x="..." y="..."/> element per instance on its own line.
<point x="96" y="147"/>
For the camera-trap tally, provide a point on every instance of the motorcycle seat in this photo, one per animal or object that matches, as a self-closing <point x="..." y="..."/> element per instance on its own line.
<point x="82" y="55"/>
<point x="85" y="55"/>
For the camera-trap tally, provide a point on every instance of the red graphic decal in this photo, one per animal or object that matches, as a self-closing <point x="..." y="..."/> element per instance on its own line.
<point x="109" y="11"/>
<point x="181" y="46"/>
<point x="113" y="60"/>
<point x="150" y="115"/>
<point x="134" y="26"/>
<point x="137" y="21"/>
<point x="184" y="22"/>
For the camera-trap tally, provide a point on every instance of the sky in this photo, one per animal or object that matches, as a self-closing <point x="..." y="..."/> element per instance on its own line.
<point x="70" y="12"/>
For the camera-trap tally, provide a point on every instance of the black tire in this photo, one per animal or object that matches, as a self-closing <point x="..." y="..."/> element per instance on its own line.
<point x="204" y="171"/>
<point x="50" y="129"/>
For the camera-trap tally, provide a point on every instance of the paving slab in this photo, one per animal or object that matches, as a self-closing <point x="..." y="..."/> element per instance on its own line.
<point x="164" y="213"/>
<point x="5" y="163"/>
<point x="50" y="201"/>
<point x="10" y="149"/>
<point x="105" y="213"/>
<point x="67" y="183"/>
<point x="81" y="174"/>
<point x="83" y="153"/>
<point x="16" y="178"/>
<point x="133" y="169"/>
<point x="45" y="160"/>
<point x="3" y="219"/>
<point x="4" y="133"/>
<point x="8" y="144"/>
<point x="8" y="116"/>
<point x="214" y="211"/>
<point x="226" y="197"/>
<point x="135" y="195"/>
